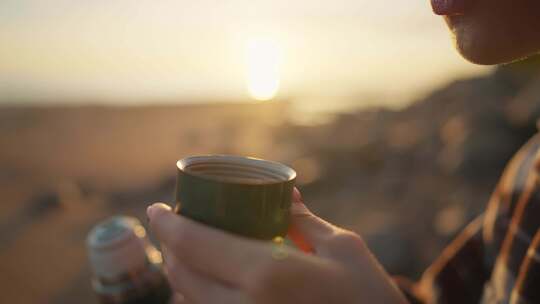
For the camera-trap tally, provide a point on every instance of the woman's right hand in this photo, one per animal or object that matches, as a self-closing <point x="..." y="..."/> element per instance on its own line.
<point x="207" y="265"/>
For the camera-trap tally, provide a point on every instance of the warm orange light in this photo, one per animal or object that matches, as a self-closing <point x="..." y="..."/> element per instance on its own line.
<point x="263" y="60"/>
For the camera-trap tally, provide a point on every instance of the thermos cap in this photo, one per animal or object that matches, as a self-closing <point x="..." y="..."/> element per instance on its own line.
<point x="117" y="246"/>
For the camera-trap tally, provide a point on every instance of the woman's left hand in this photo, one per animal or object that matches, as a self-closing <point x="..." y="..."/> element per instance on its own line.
<point x="207" y="265"/>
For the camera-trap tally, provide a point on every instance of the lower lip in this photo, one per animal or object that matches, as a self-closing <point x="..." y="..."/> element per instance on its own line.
<point x="448" y="7"/>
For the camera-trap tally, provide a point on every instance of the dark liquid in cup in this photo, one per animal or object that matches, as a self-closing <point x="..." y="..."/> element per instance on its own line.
<point x="236" y="173"/>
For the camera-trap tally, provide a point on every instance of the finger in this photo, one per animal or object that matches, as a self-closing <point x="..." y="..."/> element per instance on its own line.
<point x="294" y="234"/>
<point x="195" y="287"/>
<point x="179" y="299"/>
<point x="213" y="252"/>
<point x="297" y="196"/>
<point x="308" y="231"/>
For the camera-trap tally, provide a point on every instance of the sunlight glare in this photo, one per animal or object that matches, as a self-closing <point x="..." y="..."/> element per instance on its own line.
<point x="263" y="60"/>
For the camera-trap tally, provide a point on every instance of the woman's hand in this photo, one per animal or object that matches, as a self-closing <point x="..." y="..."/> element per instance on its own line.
<point x="207" y="265"/>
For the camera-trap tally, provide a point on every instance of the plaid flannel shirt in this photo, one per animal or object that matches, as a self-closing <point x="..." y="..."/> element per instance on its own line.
<point x="496" y="259"/>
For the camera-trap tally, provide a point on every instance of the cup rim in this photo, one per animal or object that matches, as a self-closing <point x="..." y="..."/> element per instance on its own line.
<point x="287" y="171"/>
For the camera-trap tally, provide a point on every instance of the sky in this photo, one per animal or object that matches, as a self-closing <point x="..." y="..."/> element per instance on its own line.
<point x="141" y="51"/>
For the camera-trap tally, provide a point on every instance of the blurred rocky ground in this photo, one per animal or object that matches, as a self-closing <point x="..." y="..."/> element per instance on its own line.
<point x="408" y="180"/>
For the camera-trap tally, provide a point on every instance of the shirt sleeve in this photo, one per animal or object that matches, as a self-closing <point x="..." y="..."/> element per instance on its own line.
<point x="457" y="276"/>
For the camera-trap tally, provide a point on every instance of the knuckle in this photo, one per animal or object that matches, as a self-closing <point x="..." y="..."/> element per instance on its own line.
<point x="262" y="279"/>
<point x="179" y="240"/>
<point x="346" y="239"/>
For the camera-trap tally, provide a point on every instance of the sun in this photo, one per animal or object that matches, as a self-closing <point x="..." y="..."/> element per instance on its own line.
<point x="263" y="60"/>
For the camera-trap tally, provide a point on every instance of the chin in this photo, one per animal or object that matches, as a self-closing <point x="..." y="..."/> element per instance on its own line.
<point x="487" y="36"/>
<point x="488" y="54"/>
<point x="487" y="40"/>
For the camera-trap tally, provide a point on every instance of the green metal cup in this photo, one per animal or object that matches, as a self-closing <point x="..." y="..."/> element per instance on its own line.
<point x="247" y="196"/>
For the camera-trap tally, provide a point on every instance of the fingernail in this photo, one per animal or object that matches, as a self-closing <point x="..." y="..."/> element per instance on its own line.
<point x="297" y="196"/>
<point x="150" y="211"/>
<point x="156" y="207"/>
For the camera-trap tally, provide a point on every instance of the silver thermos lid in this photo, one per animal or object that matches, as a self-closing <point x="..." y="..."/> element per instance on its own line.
<point x="125" y="265"/>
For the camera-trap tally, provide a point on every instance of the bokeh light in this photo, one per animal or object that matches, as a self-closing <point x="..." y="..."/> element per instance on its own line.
<point x="263" y="57"/>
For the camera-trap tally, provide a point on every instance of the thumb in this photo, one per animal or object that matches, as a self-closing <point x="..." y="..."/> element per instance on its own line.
<point x="306" y="230"/>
